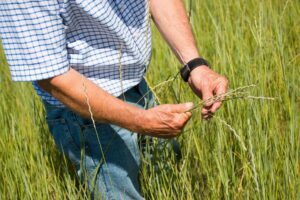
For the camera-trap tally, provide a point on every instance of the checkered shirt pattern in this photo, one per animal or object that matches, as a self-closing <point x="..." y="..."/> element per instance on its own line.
<point x="108" y="41"/>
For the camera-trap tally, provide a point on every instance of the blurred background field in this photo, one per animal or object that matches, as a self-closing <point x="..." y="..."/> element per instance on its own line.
<point x="249" y="150"/>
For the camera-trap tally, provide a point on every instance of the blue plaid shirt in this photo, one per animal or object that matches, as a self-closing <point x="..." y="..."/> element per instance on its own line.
<point x="108" y="41"/>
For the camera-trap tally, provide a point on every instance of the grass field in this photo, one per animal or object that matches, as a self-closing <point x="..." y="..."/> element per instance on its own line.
<point x="249" y="150"/>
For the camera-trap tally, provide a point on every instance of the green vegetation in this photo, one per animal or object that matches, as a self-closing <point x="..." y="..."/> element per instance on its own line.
<point x="250" y="149"/>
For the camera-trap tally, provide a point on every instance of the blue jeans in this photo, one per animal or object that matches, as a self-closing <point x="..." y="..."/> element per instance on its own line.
<point x="107" y="159"/>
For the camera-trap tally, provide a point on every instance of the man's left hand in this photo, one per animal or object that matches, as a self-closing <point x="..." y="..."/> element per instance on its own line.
<point x="207" y="83"/>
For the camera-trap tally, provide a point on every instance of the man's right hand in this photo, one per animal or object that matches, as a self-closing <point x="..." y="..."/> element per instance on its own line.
<point x="164" y="121"/>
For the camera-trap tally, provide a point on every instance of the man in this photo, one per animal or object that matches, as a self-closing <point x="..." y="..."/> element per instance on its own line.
<point x="87" y="59"/>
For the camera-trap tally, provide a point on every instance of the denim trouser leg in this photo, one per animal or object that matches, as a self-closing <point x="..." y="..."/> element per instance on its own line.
<point x="114" y="175"/>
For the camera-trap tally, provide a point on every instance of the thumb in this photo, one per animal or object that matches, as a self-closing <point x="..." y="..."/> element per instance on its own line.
<point x="183" y="107"/>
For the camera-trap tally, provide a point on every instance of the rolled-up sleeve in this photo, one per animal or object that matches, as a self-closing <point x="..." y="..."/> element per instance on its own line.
<point x="33" y="37"/>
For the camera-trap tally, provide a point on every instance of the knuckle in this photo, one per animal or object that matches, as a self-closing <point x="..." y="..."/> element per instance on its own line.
<point x="178" y="124"/>
<point x="168" y="108"/>
<point x="182" y="122"/>
<point x="205" y="84"/>
<point x="179" y="121"/>
<point x="186" y="117"/>
<point x="224" y="80"/>
<point x="226" y="83"/>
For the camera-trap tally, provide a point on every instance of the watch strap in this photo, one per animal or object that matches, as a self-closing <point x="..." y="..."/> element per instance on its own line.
<point x="186" y="69"/>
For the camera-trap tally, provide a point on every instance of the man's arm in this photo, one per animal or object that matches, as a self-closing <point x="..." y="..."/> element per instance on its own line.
<point x="41" y="54"/>
<point x="71" y="88"/>
<point x="171" y="19"/>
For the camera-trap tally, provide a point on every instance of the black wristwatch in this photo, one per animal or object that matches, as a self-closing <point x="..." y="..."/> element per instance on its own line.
<point x="186" y="69"/>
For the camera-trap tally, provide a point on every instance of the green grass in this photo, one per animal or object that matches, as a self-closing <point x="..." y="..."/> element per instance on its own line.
<point x="248" y="42"/>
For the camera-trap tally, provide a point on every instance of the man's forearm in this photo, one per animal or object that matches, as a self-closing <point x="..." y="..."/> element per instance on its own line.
<point x="171" y="19"/>
<point x="72" y="89"/>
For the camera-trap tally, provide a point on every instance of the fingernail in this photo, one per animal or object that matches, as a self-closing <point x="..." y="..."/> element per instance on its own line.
<point x="189" y="105"/>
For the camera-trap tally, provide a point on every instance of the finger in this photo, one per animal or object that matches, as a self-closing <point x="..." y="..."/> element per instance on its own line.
<point x="222" y="87"/>
<point x="187" y="116"/>
<point x="219" y="91"/>
<point x="181" y="108"/>
<point x="175" y="133"/>
<point x="183" y="118"/>
<point x="206" y="95"/>
<point x="204" y="111"/>
<point x="208" y="116"/>
<point x="216" y="106"/>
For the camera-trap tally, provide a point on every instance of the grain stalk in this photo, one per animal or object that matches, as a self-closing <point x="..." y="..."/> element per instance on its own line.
<point x="121" y="72"/>
<point x="237" y="93"/>
<point x="233" y="131"/>
<point x="103" y="160"/>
